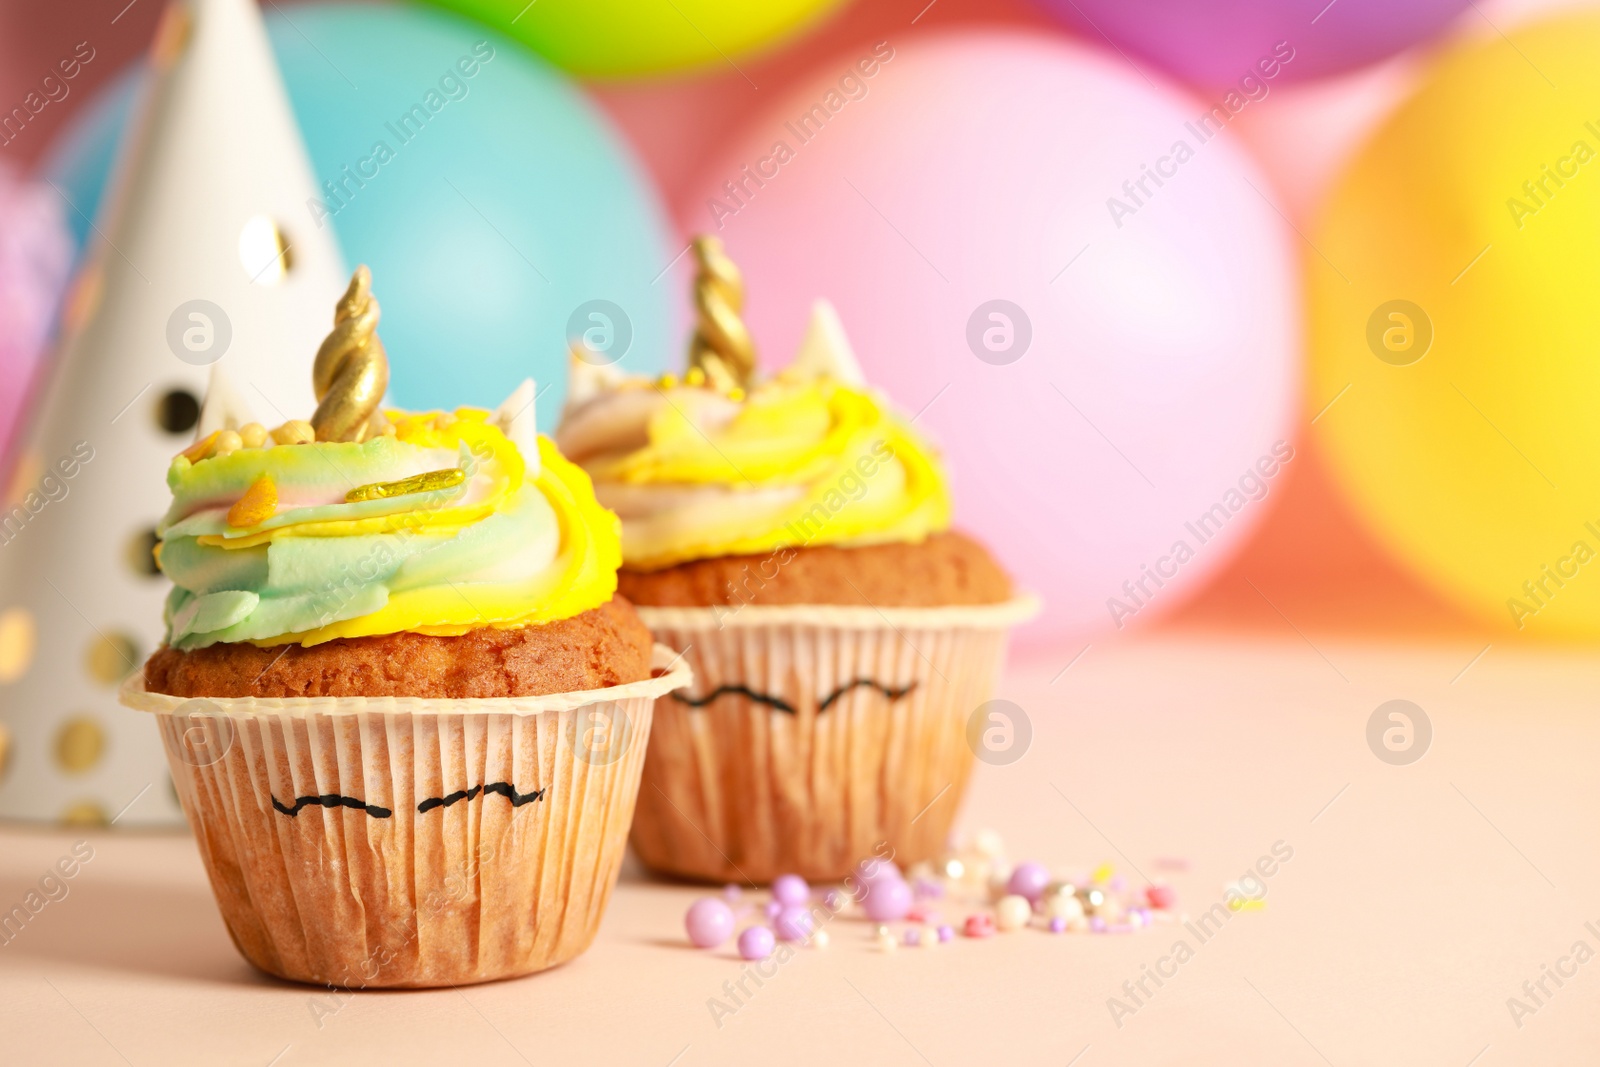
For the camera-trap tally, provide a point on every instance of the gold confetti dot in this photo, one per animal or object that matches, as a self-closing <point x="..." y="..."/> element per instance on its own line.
<point x="5" y="750"/>
<point x="84" y="813"/>
<point x="83" y="299"/>
<point x="79" y="745"/>
<point x="111" y="658"/>
<point x="172" y="36"/>
<point x="18" y="639"/>
<point x="141" y="553"/>
<point x="24" y="476"/>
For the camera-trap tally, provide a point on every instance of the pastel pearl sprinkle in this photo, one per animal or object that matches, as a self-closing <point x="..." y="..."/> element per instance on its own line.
<point x="756" y="943"/>
<point x="888" y="899"/>
<point x="1012" y="913"/>
<point x="790" y="890"/>
<point x="709" y="922"/>
<point x="903" y="910"/>
<point x="1028" y="880"/>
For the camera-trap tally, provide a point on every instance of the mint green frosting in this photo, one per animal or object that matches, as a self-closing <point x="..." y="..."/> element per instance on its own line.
<point x="297" y="583"/>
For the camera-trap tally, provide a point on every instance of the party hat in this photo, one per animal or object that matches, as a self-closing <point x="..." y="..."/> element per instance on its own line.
<point x="207" y="270"/>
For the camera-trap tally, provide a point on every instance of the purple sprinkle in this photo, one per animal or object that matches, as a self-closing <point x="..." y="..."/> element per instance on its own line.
<point x="794" y="923"/>
<point x="772" y="909"/>
<point x="756" y="943"/>
<point x="731" y="892"/>
<point x="888" y="900"/>
<point x="913" y="936"/>
<point x="873" y="870"/>
<point x="946" y="933"/>
<point x="927" y="889"/>
<point x="1058" y="924"/>
<point x="709" y="922"/>
<point x="790" y="890"/>
<point x="1097" y="924"/>
<point x="1118" y="883"/>
<point x="1029" y="880"/>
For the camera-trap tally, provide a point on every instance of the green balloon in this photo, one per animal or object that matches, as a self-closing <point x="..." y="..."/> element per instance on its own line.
<point x="626" y="38"/>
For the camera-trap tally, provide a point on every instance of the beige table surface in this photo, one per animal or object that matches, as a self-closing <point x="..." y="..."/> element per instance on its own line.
<point x="1419" y="898"/>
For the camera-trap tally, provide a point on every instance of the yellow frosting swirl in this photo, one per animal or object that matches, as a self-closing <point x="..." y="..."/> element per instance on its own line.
<point x="802" y="459"/>
<point x="328" y="542"/>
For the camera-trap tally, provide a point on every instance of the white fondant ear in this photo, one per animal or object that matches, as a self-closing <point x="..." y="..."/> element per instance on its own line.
<point x="826" y="351"/>
<point x="223" y="408"/>
<point x="586" y="380"/>
<point x="517" y="419"/>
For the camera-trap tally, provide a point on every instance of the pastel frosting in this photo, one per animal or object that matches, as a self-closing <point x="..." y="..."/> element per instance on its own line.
<point x="519" y="541"/>
<point x="809" y="456"/>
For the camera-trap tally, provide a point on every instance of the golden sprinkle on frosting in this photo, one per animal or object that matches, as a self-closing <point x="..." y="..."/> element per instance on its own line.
<point x="258" y="504"/>
<point x="417" y="483"/>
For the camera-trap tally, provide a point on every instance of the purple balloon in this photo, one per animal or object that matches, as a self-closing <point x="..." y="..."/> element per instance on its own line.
<point x="1220" y="43"/>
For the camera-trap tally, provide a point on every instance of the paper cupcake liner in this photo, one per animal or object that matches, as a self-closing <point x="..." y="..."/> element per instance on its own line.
<point x="813" y="734"/>
<point x="388" y="842"/>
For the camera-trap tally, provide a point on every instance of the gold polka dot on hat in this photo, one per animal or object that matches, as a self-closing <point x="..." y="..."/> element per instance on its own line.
<point x="84" y="813"/>
<point x="18" y="639"/>
<point x="111" y="657"/>
<point x="141" y="557"/>
<point x="79" y="745"/>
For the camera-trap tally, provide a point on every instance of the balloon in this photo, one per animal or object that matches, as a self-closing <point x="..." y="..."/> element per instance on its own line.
<point x="624" y="38"/>
<point x="1110" y="370"/>
<point x="35" y="253"/>
<point x="1454" y="334"/>
<point x="82" y="157"/>
<point x="1221" y="42"/>
<point x="499" y="212"/>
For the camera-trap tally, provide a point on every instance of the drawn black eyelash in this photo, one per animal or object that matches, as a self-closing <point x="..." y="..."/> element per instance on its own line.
<point x="336" y="800"/>
<point x="783" y="705"/>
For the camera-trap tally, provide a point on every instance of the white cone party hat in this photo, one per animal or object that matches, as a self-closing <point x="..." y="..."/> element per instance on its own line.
<point x="205" y="263"/>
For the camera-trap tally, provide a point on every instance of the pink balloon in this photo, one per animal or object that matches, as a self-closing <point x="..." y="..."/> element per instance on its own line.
<point x="35" y="254"/>
<point x="1147" y="361"/>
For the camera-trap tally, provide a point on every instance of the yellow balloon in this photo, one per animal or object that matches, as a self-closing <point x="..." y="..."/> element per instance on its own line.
<point x="624" y="38"/>
<point x="1455" y="322"/>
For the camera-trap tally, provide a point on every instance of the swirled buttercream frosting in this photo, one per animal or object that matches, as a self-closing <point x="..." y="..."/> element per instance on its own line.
<point x="699" y="468"/>
<point x="440" y="528"/>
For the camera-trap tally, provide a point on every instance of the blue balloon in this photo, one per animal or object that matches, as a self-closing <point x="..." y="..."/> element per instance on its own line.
<point x="85" y="152"/>
<point x="500" y="213"/>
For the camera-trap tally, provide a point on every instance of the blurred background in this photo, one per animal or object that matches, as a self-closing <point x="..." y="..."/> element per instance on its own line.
<point x="1242" y="314"/>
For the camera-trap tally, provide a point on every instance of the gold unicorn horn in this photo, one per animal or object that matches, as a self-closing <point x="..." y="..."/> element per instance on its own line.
<point x="721" y="347"/>
<point x="351" y="371"/>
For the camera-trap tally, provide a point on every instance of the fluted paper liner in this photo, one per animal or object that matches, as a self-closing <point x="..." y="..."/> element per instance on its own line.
<point x="762" y="780"/>
<point x="434" y="842"/>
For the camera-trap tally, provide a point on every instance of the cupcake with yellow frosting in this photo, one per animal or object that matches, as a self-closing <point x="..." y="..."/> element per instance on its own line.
<point x="403" y="704"/>
<point x="791" y="536"/>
